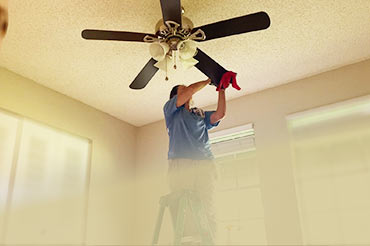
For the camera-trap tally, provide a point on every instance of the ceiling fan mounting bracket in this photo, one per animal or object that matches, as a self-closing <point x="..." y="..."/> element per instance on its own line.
<point x="172" y="33"/>
<point x="187" y="25"/>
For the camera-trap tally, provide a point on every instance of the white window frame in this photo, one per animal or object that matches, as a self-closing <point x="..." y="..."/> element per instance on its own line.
<point x="239" y="133"/>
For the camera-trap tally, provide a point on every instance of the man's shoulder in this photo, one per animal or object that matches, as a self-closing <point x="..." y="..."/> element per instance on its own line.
<point x="170" y="101"/>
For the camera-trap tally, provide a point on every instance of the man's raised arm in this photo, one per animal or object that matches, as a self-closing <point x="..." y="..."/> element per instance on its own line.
<point x="185" y="93"/>
<point x="221" y="107"/>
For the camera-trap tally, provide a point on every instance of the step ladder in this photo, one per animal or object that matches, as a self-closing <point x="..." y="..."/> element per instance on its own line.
<point x="188" y="199"/>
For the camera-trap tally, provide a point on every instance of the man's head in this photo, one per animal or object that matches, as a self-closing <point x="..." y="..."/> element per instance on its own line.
<point x="177" y="89"/>
<point x="174" y="91"/>
<point x="3" y="19"/>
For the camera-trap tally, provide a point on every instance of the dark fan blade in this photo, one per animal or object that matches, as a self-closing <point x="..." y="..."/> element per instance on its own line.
<point x="238" y="25"/>
<point x="114" y="35"/>
<point x="209" y="67"/>
<point x="171" y="10"/>
<point x="145" y="75"/>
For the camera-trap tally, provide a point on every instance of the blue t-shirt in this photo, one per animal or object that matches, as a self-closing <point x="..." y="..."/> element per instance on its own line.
<point x="188" y="132"/>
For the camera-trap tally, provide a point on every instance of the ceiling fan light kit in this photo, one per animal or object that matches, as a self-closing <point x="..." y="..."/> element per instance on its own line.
<point x="174" y="41"/>
<point x="159" y="50"/>
<point x="175" y="38"/>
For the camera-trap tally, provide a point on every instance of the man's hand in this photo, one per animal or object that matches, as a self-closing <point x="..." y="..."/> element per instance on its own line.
<point x="211" y="82"/>
<point x="227" y="78"/>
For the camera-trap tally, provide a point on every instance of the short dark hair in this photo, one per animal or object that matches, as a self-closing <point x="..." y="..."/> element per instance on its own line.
<point x="174" y="91"/>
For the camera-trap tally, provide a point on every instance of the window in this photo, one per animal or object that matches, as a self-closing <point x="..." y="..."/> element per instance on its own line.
<point x="44" y="177"/>
<point x="8" y="133"/>
<point x="238" y="201"/>
<point x="331" y="153"/>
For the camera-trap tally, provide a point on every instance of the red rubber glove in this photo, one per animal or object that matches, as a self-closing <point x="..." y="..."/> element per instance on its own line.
<point x="227" y="78"/>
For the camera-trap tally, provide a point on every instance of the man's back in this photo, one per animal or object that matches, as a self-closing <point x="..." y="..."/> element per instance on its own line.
<point x="188" y="131"/>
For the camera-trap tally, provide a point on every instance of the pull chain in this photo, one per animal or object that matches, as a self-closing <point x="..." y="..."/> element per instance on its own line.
<point x="166" y="68"/>
<point x="174" y="59"/>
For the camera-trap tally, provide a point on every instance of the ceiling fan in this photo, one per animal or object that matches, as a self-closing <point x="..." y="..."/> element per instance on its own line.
<point x="175" y="30"/>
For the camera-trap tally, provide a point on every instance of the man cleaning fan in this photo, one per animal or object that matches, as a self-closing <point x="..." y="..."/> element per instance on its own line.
<point x="190" y="157"/>
<point x="191" y="165"/>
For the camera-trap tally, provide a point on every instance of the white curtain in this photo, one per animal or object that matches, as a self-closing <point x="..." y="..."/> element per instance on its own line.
<point x="331" y="153"/>
<point x="47" y="203"/>
<point x="8" y="132"/>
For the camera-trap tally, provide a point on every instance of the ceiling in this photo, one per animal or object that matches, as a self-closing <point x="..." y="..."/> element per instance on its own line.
<point x="306" y="37"/>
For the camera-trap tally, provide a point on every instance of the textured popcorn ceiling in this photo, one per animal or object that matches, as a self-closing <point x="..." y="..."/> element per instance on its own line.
<point x="306" y="37"/>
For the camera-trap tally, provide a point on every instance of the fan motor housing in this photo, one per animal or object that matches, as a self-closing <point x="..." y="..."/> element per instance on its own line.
<point x="174" y="34"/>
<point x="187" y="24"/>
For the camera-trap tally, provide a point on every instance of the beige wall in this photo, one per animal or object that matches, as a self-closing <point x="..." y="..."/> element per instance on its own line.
<point x="122" y="214"/>
<point x="110" y="205"/>
<point x="267" y="110"/>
